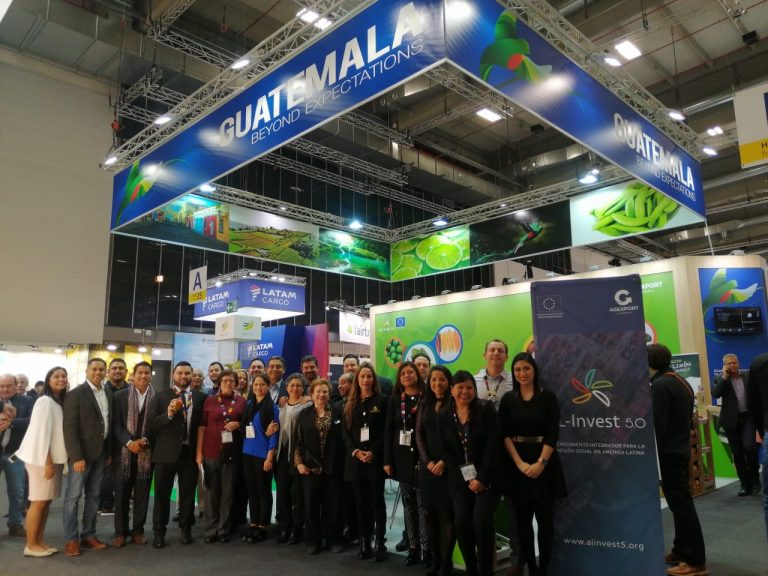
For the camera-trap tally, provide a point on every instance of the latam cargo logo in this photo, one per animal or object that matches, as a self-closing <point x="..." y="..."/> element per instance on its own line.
<point x="255" y="291"/>
<point x="591" y="388"/>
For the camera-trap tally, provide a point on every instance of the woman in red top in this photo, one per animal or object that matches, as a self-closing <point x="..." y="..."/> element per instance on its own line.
<point x="219" y="445"/>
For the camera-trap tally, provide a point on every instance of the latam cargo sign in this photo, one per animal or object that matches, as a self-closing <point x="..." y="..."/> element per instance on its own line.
<point x="266" y="300"/>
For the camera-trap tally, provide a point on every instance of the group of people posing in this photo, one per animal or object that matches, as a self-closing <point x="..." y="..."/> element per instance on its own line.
<point x="456" y="443"/>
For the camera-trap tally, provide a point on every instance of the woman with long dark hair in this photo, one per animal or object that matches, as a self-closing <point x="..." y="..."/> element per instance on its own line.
<point x="365" y="415"/>
<point x="469" y="434"/>
<point x="530" y="423"/>
<point x="400" y="455"/>
<point x="259" y="447"/>
<point x="319" y="458"/>
<point x="44" y="454"/>
<point x="433" y="479"/>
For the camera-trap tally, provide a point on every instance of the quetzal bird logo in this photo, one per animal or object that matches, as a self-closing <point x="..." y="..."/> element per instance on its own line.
<point x="137" y="185"/>
<point x="511" y="52"/>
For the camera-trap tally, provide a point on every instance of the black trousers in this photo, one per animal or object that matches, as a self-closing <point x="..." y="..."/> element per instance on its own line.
<point x="107" y="495"/>
<point x="744" y="450"/>
<point x="543" y="509"/>
<point x="348" y="506"/>
<point x="186" y="469"/>
<point x="371" y="508"/>
<point x="689" y="541"/>
<point x="259" y="485"/>
<point x="322" y="516"/>
<point x="125" y="486"/>
<point x="441" y="535"/>
<point x="219" y="494"/>
<point x="474" y="522"/>
<point x="290" y="499"/>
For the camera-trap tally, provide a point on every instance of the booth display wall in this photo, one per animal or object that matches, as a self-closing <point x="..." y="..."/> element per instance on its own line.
<point x="54" y="225"/>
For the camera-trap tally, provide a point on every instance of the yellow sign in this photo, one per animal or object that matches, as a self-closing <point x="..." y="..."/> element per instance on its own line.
<point x="754" y="152"/>
<point x="198" y="284"/>
<point x="751" y="108"/>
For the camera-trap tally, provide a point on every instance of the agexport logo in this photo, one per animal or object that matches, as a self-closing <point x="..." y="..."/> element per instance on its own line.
<point x="590" y="388"/>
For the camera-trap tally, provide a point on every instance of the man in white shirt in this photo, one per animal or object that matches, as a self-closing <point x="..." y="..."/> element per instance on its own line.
<point x="494" y="381"/>
<point x="275" y="372"/>
<point x="87" y="424"/>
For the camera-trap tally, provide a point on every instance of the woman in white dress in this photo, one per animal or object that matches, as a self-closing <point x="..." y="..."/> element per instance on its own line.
<point x="44" y="454"/>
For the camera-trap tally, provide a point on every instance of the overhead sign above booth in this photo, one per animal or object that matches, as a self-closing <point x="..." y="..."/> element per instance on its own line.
<point x="266" y="300"/>
<point x="384" y="45"/>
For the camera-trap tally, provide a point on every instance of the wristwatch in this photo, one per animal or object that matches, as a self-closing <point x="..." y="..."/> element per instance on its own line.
<point x="543" y="461"/>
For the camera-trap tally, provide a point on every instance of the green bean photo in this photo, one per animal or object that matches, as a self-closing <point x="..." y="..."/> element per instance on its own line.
<point x="639" y="208"/>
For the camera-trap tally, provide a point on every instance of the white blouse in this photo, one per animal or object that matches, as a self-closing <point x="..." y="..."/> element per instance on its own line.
<point x="45" y="433"/>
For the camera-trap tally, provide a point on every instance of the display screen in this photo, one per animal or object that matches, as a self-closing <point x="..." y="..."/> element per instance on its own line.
<point x="738" y="320"/>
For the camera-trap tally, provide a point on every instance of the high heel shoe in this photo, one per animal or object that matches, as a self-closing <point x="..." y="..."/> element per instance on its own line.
<point x="365" y="548"/>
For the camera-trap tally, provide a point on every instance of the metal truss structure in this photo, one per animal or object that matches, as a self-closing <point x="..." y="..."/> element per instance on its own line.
<point x="262" y="58"/>
<point x="540" y="16"/>
<point x="342" y="306"/>
<point x="256" y="274"/>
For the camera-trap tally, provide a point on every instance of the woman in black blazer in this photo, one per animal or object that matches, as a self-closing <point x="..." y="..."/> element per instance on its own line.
<point x="400" y="455"/>
<point x="365" y="415"/>
<point x="469" y="434"/>
<point x="319" y="458"/>
<point x="433" y="478"/>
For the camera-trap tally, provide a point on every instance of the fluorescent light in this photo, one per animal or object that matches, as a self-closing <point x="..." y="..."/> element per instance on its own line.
<point x="111" y="159"/>
<point x="440" y="222"/>
<point x="240" y="64"/>
<point x="489" y="115"/>
<point x="111" y="347"/>
<point x="714" y="131"/>
<point x="588" y="178"/>
<point x="207" y="188"/>
<point x="142" y="349"/>
<point x="709" y="151"/>
<point x="612" y="61"/>
<point x="308" y="15"/>
<point x="164" y="119"/>
<point x="676" y="115"/>
<point x="323" y="23"/>
<point x="628" y="50"/>
<point x="355" y="225"/>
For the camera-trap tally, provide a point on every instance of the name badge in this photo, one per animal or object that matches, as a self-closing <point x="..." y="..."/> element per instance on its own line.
<point x="250" y="432"/>
<point x="405" y="438"/>
<point x="365" y="434"/>
<point x="226" y="437"/>
<point x="468" y="472"/>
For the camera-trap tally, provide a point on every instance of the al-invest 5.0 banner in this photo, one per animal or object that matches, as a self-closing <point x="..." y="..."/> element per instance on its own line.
<point x="379" y="48"/>
<point x="591" y="353"/>
<point x="455" y="334"/>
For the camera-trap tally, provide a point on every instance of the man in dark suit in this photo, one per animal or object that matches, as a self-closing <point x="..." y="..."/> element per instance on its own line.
<point x="16" y="409"/>
<point x="758" y="406"/>
<point x="116" y="372"/>
<point x="87" y="424"/>
<point x="733" y="387"/>
<point x="132" y="454"/>
<point x="275" y="373"/>
<point x="174" y="420"/>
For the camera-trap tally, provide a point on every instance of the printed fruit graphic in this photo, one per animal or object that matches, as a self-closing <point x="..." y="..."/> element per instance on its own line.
<point x="438" y="252"/>
<point x="639" y="208"/>
<point x="393" y="352"/>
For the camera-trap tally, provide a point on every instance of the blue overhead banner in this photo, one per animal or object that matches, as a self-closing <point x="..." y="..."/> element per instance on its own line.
<point x="381" y="47"/>
<point x="377" y="49"/>
<point x="590" y="348"/>
<point x="251" y="294"/>
<point x="285" y="341"/>
<point x="493" y="45"/>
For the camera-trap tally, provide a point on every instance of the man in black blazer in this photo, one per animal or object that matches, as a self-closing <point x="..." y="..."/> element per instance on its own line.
<point x="132" y="454"/>
<point x="758" y="405"/>
<point x="87" y="424"/>
<point x="174" y="420"/>
<point x="733" y="387"/>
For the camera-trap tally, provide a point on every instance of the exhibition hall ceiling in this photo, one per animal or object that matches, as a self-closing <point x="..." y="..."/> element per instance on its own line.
<point x="694" y="55"/>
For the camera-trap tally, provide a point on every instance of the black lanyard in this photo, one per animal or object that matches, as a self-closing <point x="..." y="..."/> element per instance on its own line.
<point x="413" y="409"/>
<point x="463" y="432"/>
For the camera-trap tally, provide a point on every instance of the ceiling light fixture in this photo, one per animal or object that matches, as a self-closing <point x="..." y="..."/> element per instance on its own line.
<point x="142" y="349"/>
<point x="489" y="115"/>
<point x="156" y="352"/>
<point x="323" y="23"/>
<point x="440" y="222"/>
<point x="207" y="188"/>
<point x="308" y="15"/>
<point x="218" y="284"/>
<point x="159" y="278"/>
<point x="109" y="160"/>
<point x="628" y="50"/>
<point x="111" y="347"/>
<point x="588" y="178"/>
<point x="240" y="64"/>
<point x="714" y="131"/>
<point x="162" y="120"/>
<point x="355" y="225"/>
<point x="709" y="151"/>
<point x="675" y="114"/>
<point x="58" y="350"/>
<point x="612" y="61"/>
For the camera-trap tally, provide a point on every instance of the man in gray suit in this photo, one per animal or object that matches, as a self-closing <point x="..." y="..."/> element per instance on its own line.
<point x="87" y="419"/>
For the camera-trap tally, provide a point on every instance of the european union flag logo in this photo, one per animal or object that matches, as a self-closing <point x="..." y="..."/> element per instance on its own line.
<point x="549" y="304"/>
<point x="400" y="322"/>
